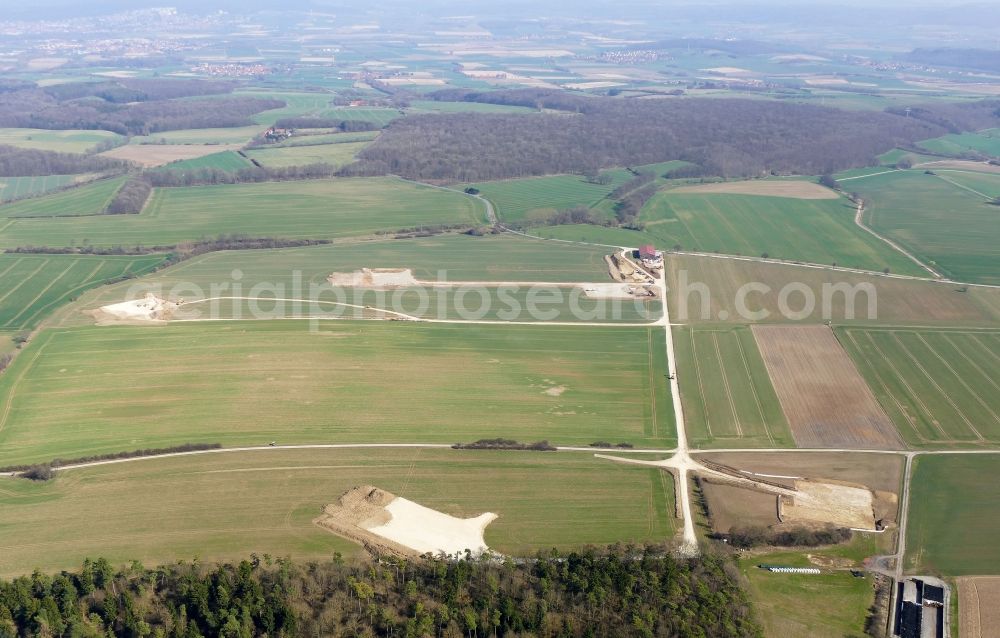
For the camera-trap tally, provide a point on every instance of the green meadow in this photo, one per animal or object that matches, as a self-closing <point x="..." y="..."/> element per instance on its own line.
<point x="944" y="219"/>
<point x="84" y="200"/>
<point x="33" y="285"/>
<point x="92" y="390"/>
<point x="313" y="209"/>
<point x="227" y="506"/>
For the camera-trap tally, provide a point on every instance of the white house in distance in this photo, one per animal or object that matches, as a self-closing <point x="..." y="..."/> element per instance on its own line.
<point x="651" y="258"/>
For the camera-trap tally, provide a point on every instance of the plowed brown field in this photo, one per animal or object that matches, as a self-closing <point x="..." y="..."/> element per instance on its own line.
<point x="825" y="400"/>
<point x="979" y="607"/>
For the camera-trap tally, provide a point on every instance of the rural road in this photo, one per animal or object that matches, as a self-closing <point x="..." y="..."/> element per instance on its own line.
<point x="860" y="222"/>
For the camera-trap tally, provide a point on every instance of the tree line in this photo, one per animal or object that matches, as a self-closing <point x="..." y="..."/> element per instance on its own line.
<point x="727" y="138"/>
<point x="250" y="174"/>
<point x="131" y="197"/>
<point x="748" y="536"/>
<point x="25" y="162"/>
<point x="621" y="591"/>
<point x="346" y="126"/>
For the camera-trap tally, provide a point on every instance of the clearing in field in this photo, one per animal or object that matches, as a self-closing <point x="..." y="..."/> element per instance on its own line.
<point x="979" y="606"/>
<point x="149" y="155"/>
<point x="536" y="197"/>
<point x="954" y="513"/>
<point x="944" y="219"/>
<point x="87" y="199"/>
<point x="307" y="209"/>
<point x="333" y="154"/>
<point x="224" y="506"/>
<point x="728" y="397"/>
<point x="31" y="286"/>
<point x="797" y="189"/>
<point x="840" y="296"/>
<point x="939" y="386"/>
<point x="104" y="389"/>
<point x="825" y="400"/>
<point x="380" y="519"/>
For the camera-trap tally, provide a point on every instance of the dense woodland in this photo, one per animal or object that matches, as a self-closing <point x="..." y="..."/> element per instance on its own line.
<point x="22" y="162"/>
<point x="38" y="108"/>
<point x="729" y="138"/>
<point x="619" y="591"/>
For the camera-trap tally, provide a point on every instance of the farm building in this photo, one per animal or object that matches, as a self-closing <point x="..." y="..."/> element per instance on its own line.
<point x="651" y="258"/>
<point x="920" y="609"/>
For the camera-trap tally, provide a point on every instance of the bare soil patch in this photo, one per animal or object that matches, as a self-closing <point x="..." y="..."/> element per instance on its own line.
<point x="149" y="155"/>
<point x="825" y="399"/>
<point x="618" y="291"/>
<point x="979" y="607"/>
<point x="375" y="278"/>
<point x="732" y="506"/>
<point x="384" y="522"/>
<point x="771" y="188"/>
<point x="150" y="309"/>
<point x="823" y="502"/>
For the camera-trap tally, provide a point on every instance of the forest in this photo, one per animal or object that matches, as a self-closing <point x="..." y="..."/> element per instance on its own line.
<point x="23" y="162"/>
<point x="620" y="591"/>
<point x="728" y="138"/>
<point x="37" y="108"/>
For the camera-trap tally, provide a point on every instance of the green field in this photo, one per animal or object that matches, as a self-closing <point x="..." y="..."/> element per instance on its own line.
<point x="433" y="106"/>
<point x="939" y="386"/>
<point x="335" y="154"/>
<point x="985" y="142"/>
<point x="86" y="200"/>
<point x="311" y="209"/>
<point x="938" y="218"/>
<point x="728" y="397"/>
<point x="226" y="506"/>
<point x="251" y="382"/>
<point x="225" y="161"/>
<point x="68" y="141"/>
<point x="377" y="116"/>
<point x="954" y="502"/>
<point x="314" y="137"/>
<point x="294" y="272"/>
<point x="21" y="187"/>
<point x="33" y="285"/>
<point x="234" y="135"/>
<point x="816" y="231"/>
<point x="833" y="604"/>
<point x="521" y="199"/>
<point x="819" y="231"/>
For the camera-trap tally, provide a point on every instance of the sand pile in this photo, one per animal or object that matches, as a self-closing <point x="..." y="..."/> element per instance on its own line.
<point x="384" y="522"/>
<point x="149" y="309"/>
<point x="374" y="278"/>
<point x="617" y="291"/>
